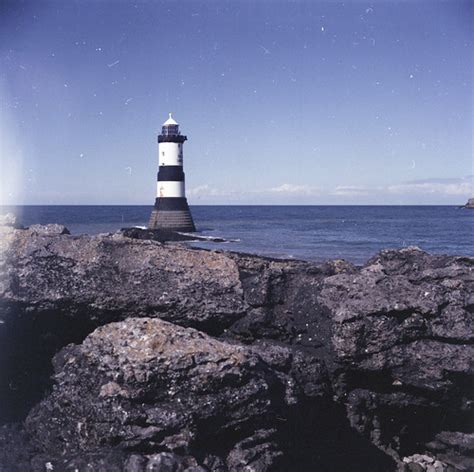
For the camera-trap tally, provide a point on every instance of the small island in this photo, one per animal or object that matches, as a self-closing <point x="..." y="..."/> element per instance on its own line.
<point x="469" y="204"/>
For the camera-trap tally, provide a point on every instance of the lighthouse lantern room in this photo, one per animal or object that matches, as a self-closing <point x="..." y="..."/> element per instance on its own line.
<point x="171" y="210"/>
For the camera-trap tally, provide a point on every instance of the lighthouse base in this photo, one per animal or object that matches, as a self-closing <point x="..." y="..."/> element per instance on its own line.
<point x="172" y="214"/>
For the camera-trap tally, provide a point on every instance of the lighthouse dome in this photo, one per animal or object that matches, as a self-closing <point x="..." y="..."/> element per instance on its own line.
<point x="170" y="121"/>
<point x="170" y="127"/>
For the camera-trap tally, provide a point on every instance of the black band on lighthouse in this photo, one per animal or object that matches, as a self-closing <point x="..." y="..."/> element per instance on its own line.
<point x="171" y="173"/>
<point x="178" y="138"/>
<point x="171" y="204"/>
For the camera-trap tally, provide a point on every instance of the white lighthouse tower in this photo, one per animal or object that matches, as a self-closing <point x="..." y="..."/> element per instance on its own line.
<point x="171" y="210"/>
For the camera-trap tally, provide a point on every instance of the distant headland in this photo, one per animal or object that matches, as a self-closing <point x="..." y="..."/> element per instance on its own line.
<point x="470" y="203"/>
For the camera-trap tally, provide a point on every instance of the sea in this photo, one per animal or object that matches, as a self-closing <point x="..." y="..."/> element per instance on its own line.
<point x="313" y="233"/>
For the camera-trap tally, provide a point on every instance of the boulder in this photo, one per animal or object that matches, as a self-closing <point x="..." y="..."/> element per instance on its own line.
<point x="164" y="235"/>
<point x="50" y="229"/>
<point x="145" y="385"/>
<point x="57" y="288"/>
<point x="8" y="219"/>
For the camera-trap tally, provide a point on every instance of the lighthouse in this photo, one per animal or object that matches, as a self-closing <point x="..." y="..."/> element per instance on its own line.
<point x="171" y="210"/>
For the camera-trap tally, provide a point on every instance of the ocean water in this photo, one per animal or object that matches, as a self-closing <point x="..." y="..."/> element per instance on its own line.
<point x="315" y="233"/>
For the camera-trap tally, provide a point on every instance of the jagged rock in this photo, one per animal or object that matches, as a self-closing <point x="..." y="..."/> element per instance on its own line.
<point x="55" y="289"/>
<point x="164" y="235"/>
<point x="470" y="203"/>
<point x="454" y="448"/>
<point x="50" y="229"/>
<point x="162" y="462"/>
<point x="357" y="356"/>
<point x="114" y="277"/>
<point x="455" y="441"/>
<point x="8" y="219"/>
<point x="146" y="385"/>
<point x="282" y="297"/>
<point x="403" y="340"/>
<point x="8" y="222"/>
<point x="425" y="463"/>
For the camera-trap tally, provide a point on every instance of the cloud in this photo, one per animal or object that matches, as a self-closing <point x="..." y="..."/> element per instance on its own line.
<point x="440" y="186"/>
<point x="290" y="189"/>
<point x="423" y="190"/>
<point x="352" y="190"/>
<point x="434" y="187"/>
<point x="203" y="191"/>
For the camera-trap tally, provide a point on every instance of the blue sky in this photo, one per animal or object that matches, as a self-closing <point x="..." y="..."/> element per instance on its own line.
<point x="282" y="102"/>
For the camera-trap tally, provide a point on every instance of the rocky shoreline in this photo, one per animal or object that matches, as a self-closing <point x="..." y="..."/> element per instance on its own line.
<point x="128" y="354"/>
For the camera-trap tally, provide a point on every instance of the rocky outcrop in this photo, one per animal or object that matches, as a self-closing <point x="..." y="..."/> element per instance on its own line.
<point x="164" y="235"/>
<point x="55" y="289"/>
<point x="470" y="203"/>
<point x="145" y="385"/>
<point x="201" y="360"/>
<point x="8" y="222"/>
<point x="403" y="337"/>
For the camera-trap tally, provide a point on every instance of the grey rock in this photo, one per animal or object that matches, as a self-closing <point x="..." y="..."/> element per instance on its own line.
<point x="107" y="278"/>
<point x="144" y="384"/>
<point x="415" y="467"/>
<point x="456" y="441"/>
<point x="403" y="339"/>
<point x="255" y="453"/>
<point x="55" y="289"/>
<point x="169" y="462"/>
<point x="456" y="449"/>
<point x="470" y="203"/>
<point x="50" y="229"/>
<point x="15" y="449"/>
<point x="8" y="219"/>
<point x="164" y="235"/>
<point x="423" y="462"/>
<point x="347" y="356"/>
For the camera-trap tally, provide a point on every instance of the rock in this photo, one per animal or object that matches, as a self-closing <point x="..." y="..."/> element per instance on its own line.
<point x="55" y="289"/>
<point x="164" y="235"/>
<point x="414" y="467"/>
<point x="283" y="304"/>
<point x="49" y="230"/>
<point x="425" y="463"/>
<point x="109" y="278"/>
<point x="455" y="441"/>
<point x="8" y="223"/>
<point x="403" y="342"/>
<point x="470" y="203"/>
<point x="15" y="449"/>
<point x="455" y="449"/>
<point x="8" y="219"/>
<point x="350" y="360"/>
<point x="144" y="384"/>
<point x="168" y="462"/>
<point x="254" y="453"/>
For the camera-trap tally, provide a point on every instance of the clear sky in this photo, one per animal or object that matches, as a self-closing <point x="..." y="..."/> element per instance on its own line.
<point x="282" y="102"/>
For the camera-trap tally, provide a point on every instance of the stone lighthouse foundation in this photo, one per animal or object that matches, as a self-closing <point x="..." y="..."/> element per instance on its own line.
<point x="171" y="209"/>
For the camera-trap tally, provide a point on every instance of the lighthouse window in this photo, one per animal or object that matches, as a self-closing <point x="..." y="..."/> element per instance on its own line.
<point x="162" y="153"/>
